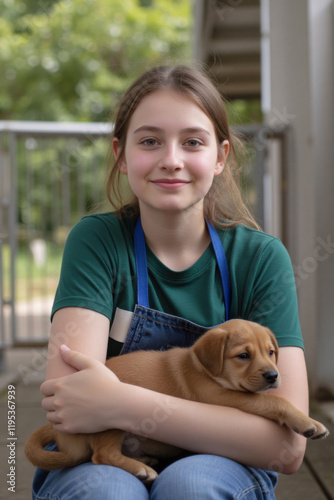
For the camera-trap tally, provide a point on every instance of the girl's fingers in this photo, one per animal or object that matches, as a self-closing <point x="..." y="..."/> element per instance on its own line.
<point x="48" y="388"/>
<point x="74" y="358"/>
<point x="47" y="404"/>
<point x="52" y="418"/>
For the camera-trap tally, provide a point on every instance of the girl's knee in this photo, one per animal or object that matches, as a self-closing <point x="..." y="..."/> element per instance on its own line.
<point x="88" y="481"/>
<point x="185" y="479"/>
<point x="209" y="477"/>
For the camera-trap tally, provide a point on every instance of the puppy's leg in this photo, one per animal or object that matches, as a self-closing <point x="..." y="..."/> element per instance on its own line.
<point x="107" y="448"/>
<point x="290" y="416"/>
<point x="278" y="409"/>
<point x="148" y="451"/>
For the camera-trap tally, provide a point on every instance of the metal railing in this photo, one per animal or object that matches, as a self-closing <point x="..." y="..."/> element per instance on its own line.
<point x="51" y="174"/>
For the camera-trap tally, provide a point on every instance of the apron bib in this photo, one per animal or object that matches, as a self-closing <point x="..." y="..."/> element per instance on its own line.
<point x="155" y="330"/>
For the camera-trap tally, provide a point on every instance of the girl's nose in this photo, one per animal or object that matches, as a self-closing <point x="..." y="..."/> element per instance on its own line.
<point x="171" y="159"/>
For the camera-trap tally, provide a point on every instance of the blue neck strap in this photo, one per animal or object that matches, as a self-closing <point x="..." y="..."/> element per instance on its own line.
<point x="142" y="274"/>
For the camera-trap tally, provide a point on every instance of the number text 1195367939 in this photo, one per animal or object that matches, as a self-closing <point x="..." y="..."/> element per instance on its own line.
<point x="11" y="439"/>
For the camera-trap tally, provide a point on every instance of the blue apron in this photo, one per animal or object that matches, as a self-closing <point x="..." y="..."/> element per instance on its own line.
<point x="156" y="330"/>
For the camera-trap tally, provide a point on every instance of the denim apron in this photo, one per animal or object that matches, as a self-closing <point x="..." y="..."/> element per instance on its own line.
<point x="155" y="330"/>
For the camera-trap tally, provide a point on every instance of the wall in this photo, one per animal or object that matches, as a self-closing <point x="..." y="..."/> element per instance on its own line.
<point x="298" y="67"/>
<point x="321" y="22"/>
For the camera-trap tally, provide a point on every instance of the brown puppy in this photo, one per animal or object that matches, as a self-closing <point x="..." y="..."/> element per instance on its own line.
<point x="229" y="365"/>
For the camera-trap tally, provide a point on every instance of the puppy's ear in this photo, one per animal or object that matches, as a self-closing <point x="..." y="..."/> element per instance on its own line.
<point x="274" y="342"/>
<point x="209" y="350"/>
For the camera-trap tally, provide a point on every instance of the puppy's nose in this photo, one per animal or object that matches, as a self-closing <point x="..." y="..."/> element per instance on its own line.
<point x="270" y="376"/>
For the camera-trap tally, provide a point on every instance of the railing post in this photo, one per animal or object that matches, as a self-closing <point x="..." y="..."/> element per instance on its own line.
<point x="259" y="169"/>
<point x="2" y="206"/>
<point x="12" y="225"/>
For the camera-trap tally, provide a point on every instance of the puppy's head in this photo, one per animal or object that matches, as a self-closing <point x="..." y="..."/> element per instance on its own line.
<point x="239" y="355"/>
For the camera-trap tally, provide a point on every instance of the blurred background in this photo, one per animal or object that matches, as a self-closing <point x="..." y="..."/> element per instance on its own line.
<point x="64" y="65"/>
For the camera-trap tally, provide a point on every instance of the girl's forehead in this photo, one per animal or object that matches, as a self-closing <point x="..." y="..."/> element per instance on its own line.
<point x="165" y="107"/>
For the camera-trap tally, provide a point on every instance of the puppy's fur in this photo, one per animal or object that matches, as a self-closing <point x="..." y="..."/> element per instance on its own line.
<point x="229" y="365"/>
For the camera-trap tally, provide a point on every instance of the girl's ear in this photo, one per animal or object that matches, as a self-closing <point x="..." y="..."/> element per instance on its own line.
<point x="117" y="150"/>
<point x="222" y="157"/>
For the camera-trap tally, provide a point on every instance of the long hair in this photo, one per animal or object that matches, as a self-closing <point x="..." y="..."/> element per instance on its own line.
<point x="223" y="204"/>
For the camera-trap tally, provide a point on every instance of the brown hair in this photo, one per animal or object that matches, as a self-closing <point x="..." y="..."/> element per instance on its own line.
<point x="223" y="204"/>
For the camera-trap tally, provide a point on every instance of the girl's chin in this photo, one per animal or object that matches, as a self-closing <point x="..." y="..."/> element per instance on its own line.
<point x="172" y="208"/>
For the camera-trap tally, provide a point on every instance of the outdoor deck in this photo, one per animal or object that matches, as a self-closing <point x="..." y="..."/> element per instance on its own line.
<point x="314" y="480"/>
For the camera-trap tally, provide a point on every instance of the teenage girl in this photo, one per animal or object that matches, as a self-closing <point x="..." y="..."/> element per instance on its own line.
<point x="183" y="254"/>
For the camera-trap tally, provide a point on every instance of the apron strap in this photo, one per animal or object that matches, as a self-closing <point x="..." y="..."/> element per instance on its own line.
<point x="223" y="268"/>
<point x="141" y="265"/>
<point x="142" y="274"/>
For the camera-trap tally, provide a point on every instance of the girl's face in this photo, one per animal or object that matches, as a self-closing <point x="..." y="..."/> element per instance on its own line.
<point x="171" y="153"/>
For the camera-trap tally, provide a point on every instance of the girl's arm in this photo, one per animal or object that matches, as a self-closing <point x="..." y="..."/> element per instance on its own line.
<point x="72" y="389"/>
<point x="93" y="399"/>
<point x="80" y="329"/>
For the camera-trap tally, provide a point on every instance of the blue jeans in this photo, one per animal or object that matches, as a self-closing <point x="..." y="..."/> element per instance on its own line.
<point x="202" y="477"/>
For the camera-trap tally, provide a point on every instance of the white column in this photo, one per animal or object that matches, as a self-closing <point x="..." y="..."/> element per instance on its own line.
<point x="287" y="101"/>
<point x="321" y="21"/>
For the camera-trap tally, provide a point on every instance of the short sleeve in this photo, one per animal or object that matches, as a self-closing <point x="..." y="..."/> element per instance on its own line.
<point x="274" y="298"/>
<point x="87" y="272"/>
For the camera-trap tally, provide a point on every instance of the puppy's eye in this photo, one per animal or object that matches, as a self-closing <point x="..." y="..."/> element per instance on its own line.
<point x="271" y="352"/>
<point x="244" y="355"/>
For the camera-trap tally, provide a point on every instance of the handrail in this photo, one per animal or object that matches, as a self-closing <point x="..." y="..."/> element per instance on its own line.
<point x="44" y="128"/>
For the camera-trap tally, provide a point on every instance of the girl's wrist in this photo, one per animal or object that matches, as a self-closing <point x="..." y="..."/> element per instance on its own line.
<point x="142" y="411"/>
<point x="126" y="407"/>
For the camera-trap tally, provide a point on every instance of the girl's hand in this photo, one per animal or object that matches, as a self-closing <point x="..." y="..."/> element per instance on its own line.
<point x="85" y="401"/>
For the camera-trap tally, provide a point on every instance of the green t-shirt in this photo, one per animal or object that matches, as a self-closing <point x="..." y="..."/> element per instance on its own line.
<point x="99" y="273"/>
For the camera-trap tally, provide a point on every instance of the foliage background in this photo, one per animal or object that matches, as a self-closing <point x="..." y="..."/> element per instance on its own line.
<point x="70" y="60"/>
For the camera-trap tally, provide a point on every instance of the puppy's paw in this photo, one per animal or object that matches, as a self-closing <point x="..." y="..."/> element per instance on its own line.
<point x="321" y="433"/>
<point x="316" y="430"/>
<point x="146" y="475"/>
<point x="310" y="432"/>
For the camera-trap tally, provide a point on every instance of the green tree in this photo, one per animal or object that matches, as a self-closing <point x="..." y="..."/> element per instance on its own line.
<point x="71" y="60"/>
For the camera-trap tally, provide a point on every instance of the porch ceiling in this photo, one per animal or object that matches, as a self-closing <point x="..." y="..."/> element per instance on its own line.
<point x="228" y="42"/>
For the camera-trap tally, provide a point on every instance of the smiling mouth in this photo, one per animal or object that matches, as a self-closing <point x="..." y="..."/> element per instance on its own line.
<point x="170" y="183"/>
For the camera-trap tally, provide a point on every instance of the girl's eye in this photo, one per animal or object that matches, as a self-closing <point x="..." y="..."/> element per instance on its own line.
<point x="244" y="355"/>
<point x="149" y="142"/>
<point x="193" y="143"/>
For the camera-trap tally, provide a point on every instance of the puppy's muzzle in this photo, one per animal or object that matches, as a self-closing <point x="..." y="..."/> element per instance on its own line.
<point x="270" y="376"/>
